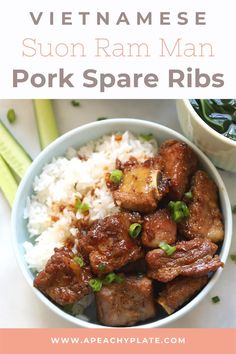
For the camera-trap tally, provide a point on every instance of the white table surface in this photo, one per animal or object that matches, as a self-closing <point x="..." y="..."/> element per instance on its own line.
<point x="19" y="306"/>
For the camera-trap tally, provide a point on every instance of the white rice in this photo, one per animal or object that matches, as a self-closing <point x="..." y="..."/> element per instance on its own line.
<point x="68" y="178"/>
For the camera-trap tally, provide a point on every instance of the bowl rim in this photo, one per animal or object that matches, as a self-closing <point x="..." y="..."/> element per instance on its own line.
<point x="204" y="125"/>
<point x="126" y="121"/>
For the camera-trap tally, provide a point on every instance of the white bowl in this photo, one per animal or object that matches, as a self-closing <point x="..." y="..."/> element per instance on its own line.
<point x="79" y="137"/>
<point x="221" y="150"/>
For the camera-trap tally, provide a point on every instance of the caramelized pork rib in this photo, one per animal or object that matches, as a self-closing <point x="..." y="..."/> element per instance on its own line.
<point x="142" y="186"/>
<point x="63" y="280"/>
<point x="109" y="245"/>
<point x="158" y="227"/>
<point x="191" y="259"/>
<point x="126" y="303"/>
<point x="180" y="162"/>
<point x="205" y="218"/>
<point x="178" y="291"/>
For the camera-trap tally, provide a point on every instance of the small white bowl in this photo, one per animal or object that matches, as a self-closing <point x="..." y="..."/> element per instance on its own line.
<point x="221" y="150"/>
<point x="77" y="138"/>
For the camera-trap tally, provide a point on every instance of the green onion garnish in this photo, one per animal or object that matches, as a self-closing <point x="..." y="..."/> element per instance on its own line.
<point x="234" y="209"/>
<point x="119" y="278"/>
<point x="169" y="250"/>
<point x="146" y="137"/>
<point x="215" y="299"/>
<point x="95" y="284"/>
<point x="79" y="260"/>
<point x="75" y="103"/>
<point x="101" y="118"/>
<point x="113" y="278"/>
<point x="77" y="203"/>
<point x="189" y="195"/>
<point x="102" y="267"/>
<point x="233" y="257"/>
<point x="134" y="230"/>
<point x="83" y="207"/>
<point x="11" y="116"/>
<point x="116" y="176"/>
<point x="179" y="210"/>
<point x="109" y="278"/>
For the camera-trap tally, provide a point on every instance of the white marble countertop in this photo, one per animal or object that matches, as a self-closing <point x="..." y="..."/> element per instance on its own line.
<point x="19" y="306"/>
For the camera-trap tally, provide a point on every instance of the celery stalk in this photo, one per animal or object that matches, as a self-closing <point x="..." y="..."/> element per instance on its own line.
<point x="8" y="183"/>
<point x="46" y="122"/>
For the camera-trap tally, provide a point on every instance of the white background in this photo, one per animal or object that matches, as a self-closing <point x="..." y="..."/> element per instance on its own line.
<point x="19" y="306"/>
<point x="15" y="25"/>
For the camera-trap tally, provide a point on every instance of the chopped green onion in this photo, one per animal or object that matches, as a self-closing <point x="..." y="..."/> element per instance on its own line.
<point x="113" y="277"/>
<point x="234" y="209"/>
<point x="169" y="250"/>
<point x="179" y="210"/>
<point x="185" y="210"/>
<point x="116" y="176"/>
<point x="146" y="137"/>
<point x="83" y="207"/>
<point x="233" y="257"/>
<point x="77" y="203"/>
<point x="95" y="284"/>
<point x="119" y="278"/>
<point x="79" y="260"/>
<point x="177" y="216"/>
<point x="215" y="299"/>
<point x="134" y="230"/>
<point x="101" y="118"/>
<point x="109" y="278"/>
<point x="75" y="103"/>
<point x="189" y="195"/>
<point x="183" y="207"/>
<point x="11" y="115"/>
<point x="102" y="267"/>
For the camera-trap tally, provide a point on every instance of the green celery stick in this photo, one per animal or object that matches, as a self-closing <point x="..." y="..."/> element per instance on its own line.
<point x="13" y="153"/>
<point x="8" y="183"/>
<point x="46" y="122"/>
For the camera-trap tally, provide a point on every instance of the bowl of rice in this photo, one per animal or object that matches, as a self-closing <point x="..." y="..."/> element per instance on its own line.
<point x="74" y="165"/>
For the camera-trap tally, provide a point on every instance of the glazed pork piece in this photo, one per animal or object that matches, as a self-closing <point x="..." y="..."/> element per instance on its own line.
<point x="179" y="291"/>
<point x="109" y="245"/>
<point x="63" y="279"/>
<point x="158" y="227"/>
<point x="205" y="218"/>
<point x="142" y="186"/>
<point x="126" y="303"/>
<point x="192" y="258"/>
<point x="180" y="163"/>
